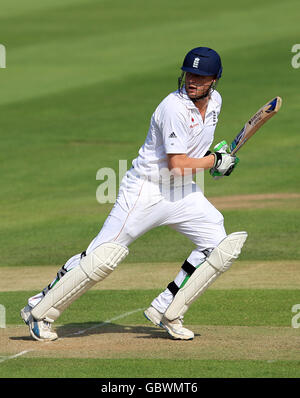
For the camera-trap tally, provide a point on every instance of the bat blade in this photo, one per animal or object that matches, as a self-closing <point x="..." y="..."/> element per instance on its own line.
<point x="256" y="121"/>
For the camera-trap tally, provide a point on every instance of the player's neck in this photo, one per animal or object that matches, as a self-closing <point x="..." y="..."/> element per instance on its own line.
<point x="201" y="105"/>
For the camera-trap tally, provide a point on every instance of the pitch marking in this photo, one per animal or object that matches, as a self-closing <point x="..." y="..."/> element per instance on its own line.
<point x="14" y="356"/>
<point x="104" y="323"/>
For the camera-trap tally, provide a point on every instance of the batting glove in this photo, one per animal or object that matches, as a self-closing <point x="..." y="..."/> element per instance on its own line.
<point x="224" y="162"/>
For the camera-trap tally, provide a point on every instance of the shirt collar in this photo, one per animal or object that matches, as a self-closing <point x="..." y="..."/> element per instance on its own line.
<point x="189" y="103"/>
<point x="186" y="99"/>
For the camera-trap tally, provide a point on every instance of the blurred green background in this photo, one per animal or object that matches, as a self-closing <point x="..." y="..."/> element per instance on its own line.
<point x="81" y="83"/>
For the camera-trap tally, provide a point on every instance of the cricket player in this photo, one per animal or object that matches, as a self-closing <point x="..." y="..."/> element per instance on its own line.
<point x="159" y="190"/>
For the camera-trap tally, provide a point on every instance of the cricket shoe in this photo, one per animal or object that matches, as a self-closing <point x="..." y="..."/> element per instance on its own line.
<point x="176" y="330"/>
<point x="153" y="316"/>
<point x="26" y="314"/>
<point x="39" y="330"/>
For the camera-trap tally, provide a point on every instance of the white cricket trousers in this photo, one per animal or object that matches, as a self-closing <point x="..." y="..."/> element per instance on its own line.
<point x="142" y="205"/>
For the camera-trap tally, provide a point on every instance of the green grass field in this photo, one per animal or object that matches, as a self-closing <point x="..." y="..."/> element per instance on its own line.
<point x="81" y="82"/>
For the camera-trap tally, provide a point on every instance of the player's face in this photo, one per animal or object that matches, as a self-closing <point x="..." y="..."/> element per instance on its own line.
<point x="197" y="85"/>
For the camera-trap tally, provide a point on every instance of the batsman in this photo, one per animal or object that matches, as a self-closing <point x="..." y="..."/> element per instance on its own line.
<point x="159" y="190"/>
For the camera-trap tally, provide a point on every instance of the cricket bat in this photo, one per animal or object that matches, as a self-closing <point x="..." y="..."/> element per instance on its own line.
<point x="253" y="124"/>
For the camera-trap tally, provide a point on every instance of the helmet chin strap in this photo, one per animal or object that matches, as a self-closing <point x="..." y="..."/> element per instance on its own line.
<point x="205" y="95"/>
<point x="180" y="82"/>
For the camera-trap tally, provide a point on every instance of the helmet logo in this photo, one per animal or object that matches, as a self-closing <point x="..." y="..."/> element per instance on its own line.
<point x="196" y="62"/>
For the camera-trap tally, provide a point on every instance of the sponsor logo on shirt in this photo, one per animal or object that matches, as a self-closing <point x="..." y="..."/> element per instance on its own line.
<point x="214" y="120"/>
<point x="194" y="125"/>
<point x="173" y="135"/>
<point x="214" y="117"/>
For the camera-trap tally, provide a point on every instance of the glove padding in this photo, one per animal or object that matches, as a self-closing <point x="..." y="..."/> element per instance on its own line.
<point x="224" y="161"/>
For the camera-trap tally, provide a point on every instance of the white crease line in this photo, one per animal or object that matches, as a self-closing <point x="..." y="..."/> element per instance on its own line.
<point x="14" y="356"/>
<point x="104" y="323"/>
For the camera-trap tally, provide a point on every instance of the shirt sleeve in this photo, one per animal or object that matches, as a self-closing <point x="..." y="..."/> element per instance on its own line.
<point x="174" y="132"/>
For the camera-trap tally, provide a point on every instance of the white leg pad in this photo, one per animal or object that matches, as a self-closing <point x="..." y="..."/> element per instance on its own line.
<point x="92" y="268"/>
<point x="219" y="261"/>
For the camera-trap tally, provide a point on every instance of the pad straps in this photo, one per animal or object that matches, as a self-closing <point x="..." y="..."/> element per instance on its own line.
<point x="61" y="272"/>
<point x="189" y="269"/>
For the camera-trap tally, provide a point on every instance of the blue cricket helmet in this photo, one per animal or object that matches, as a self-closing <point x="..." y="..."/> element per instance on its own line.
<point x="203" y="61"/>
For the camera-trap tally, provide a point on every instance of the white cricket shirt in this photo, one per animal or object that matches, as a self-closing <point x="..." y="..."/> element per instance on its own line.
<point x="177" y="127"/>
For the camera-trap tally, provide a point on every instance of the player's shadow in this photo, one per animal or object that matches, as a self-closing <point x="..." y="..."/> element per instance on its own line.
<point x="74" y="330"/>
